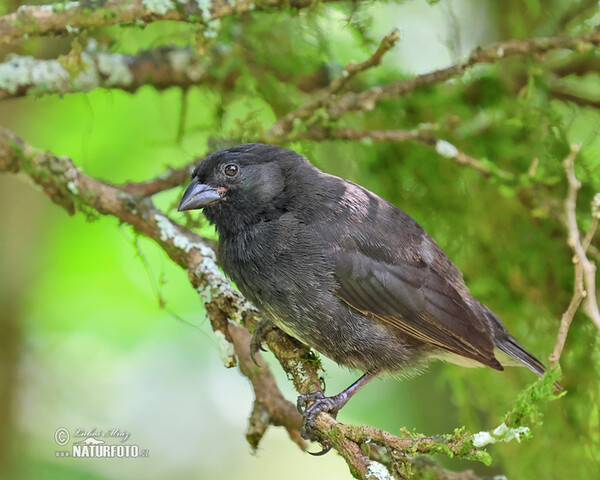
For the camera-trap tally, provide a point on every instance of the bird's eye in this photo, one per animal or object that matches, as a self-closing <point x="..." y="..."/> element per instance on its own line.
<point x="231" y="170"/>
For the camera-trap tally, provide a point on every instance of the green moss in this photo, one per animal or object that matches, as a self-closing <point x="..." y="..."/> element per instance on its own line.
<point x="527" y="409"/>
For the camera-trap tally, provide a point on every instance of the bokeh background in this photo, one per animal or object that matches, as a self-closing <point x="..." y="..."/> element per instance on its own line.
<point x="99" y="329"/>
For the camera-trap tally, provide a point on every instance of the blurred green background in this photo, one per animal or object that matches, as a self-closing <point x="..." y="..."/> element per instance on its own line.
<point x="91" y="313"/>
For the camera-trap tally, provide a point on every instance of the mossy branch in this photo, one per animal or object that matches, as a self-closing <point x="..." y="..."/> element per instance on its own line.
<point x="66" y="17"/>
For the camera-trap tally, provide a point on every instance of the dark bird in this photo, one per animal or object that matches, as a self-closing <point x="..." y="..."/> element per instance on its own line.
<point x="342" y="270"/>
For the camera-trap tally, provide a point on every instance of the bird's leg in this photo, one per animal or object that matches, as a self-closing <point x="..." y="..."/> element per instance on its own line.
<point x="332" y="405"/>
<point x="263" y="327"/>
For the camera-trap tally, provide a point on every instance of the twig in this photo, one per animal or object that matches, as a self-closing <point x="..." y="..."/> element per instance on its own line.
<point x="574" y="240"/>
<point x="170" y="179"/>
<point x="321" y="134"/>
<point x="63" y="18"/>
<point x="285" y="124"/>
<point x="423" y="136"/>
<point x="585" y="278"/>
<point x="367" y="100"/>
<point x="270" y="407"/>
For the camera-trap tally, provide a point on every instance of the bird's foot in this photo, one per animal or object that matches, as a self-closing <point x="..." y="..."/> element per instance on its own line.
<point x="310" y="405"/>
<point x="263" y="327"/>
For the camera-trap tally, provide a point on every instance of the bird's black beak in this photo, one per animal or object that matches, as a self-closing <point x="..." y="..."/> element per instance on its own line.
<point x="198" y="195"/>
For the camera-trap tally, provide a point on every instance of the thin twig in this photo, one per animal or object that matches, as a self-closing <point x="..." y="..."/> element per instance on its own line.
<point x="424" y="136"/>
<point x="585" y="278"/>
<point x="367" y="99"/>
<point x="594" y="252"/>
<point x="170" y="179"/>
<point x="285" y="124"/>
<point x="574" y="241"/>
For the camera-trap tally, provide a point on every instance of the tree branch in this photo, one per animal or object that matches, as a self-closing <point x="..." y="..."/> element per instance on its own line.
<point x="419" y="135"/>
<point x="62" y="18"/>
<point x="576" y="64"/>
<point x="367" y="100"/>
<point x="84" y="71"/>
<point x="335" y="107"/>
<point x="270" y="407"/>
<point x="170" y="179"/>
<point x="585" y="270"/>
<point x="575" y="242"/>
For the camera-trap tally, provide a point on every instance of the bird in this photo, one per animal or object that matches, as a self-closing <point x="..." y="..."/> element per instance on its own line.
<point x="342" y="270"/>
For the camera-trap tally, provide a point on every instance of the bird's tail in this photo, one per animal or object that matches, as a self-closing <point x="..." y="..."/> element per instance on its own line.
<point x="508" y="344"/>
<point x="514" y="350"/>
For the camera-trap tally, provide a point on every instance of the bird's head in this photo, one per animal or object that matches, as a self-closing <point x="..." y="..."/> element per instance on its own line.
<point x="245" y="183"/>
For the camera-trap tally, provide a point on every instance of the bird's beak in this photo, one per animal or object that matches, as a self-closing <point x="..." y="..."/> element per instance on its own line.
<point x="198" y="195"/>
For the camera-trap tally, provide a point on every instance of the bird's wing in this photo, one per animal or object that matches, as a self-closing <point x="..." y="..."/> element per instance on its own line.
<point x="414" y="298"/>
<point x="387" y="267"/>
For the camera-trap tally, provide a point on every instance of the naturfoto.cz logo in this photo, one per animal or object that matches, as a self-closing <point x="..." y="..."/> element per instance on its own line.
<point x="93" y="445"/>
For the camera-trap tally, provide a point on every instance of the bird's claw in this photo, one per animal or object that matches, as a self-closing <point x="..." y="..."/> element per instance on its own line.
<point x="307" y="398"/>
<point x="325" y="449"/>
<point x="310" y="405"/>
<point x="256" y="346"/>
<point x="260" y="331"/>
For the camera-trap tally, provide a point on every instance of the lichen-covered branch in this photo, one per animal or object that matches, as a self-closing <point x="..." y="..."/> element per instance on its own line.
<point x="64" y="18"/>
<point x="361" y="446"/>
<point x="270" y="407"/>
<point x="367" y="99"/>
<point x="585" y="270"/>
<point x="89" y="69"/>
